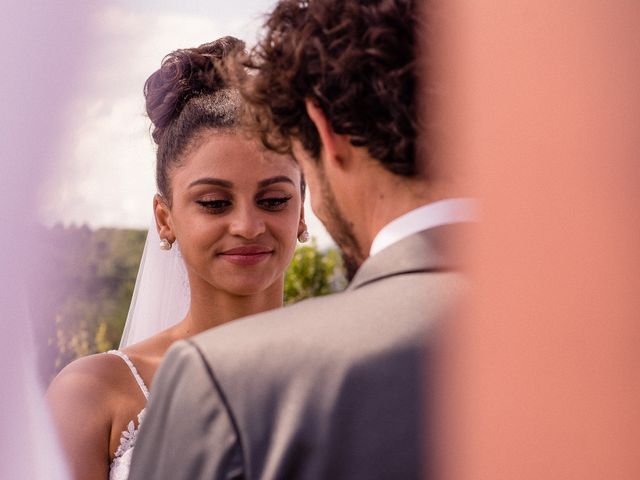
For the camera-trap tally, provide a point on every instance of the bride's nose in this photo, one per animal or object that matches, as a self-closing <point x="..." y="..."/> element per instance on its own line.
<point x="246" y="222"/>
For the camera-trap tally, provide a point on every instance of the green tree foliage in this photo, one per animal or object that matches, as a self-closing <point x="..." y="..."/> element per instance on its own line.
<point x="82" y="287"/>
<point x="82" y="296"/>
<point x="313" y="273"/>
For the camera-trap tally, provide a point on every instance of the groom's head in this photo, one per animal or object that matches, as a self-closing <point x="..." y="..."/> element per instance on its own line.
<point x="334" y="82"/>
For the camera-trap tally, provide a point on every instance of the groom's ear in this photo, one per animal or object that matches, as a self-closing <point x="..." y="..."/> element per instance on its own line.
<point x="163" y="218"/>
<point x="335" y="147"/>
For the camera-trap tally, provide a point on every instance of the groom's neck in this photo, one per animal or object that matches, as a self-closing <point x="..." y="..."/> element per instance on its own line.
<point x="385" y="197"/>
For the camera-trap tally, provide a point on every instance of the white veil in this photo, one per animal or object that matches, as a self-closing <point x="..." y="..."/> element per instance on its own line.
<point x="161" y="295"/>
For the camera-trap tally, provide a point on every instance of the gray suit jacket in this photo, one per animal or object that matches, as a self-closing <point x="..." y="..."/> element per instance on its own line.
<point x="329" y="388"/>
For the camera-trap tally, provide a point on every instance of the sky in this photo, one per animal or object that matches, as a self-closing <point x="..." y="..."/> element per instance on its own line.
<point x="105" y="160"/>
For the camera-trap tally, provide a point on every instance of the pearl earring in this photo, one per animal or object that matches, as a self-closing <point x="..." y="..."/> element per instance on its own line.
<point x="165" y="244"/>
<point x="303" y="236"/>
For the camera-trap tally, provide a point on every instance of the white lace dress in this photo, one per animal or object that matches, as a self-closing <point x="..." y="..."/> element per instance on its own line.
<point x="119" y="469"/>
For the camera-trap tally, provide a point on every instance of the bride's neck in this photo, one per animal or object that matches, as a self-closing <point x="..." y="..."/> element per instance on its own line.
<point x="213" y="308"/>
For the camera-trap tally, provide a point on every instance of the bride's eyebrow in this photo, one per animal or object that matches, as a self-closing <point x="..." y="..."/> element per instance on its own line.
<point x="270" y="181"/>
<point x="227" y="184"/>
<point x="211" y="181"/>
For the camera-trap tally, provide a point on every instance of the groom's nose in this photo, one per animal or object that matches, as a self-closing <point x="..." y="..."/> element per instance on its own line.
<point x="246" y="222"/>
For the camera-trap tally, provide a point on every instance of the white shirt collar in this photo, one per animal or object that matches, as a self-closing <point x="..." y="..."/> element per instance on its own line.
<point x="442" y="212"/>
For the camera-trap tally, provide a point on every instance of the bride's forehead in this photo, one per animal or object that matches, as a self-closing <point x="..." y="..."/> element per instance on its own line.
<point x="240" y="167"/>
<point x="235" y="158"/>
<point x="223" y="148"/>
<point x="242" y="172"/>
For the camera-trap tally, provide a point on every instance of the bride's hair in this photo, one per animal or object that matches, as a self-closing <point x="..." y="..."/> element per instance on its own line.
<point x="189" y="93"/>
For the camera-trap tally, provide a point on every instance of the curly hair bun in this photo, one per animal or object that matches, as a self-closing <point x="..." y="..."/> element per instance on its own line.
<point x="185" y="74"/>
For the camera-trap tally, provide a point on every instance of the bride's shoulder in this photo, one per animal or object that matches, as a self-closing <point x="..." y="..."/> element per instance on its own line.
<point x="94" y="380"/>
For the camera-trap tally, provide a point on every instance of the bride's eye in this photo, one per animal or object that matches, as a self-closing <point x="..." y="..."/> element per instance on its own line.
<point x="274" y="203"/>
<point x="214" y="206"/>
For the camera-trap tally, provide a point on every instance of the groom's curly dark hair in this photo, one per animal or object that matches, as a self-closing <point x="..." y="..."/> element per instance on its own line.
<point x="355" y="59"/>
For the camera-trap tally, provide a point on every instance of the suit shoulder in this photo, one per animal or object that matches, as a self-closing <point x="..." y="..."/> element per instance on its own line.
<point x="399" y="294"/>
<point x="182" y="360"/>
<point x="339" y="327"/>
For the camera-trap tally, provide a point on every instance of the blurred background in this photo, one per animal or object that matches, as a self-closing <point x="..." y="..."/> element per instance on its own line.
<point x="539" y="375"/>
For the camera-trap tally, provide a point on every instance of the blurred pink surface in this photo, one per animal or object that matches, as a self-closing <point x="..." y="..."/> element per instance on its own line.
<point x="41" y="45"/>
<point x="542" y="380"/>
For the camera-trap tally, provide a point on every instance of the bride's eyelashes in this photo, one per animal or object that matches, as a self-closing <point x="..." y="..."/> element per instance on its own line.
<point x="214" y="206"/>
<point x="272" y="204"/>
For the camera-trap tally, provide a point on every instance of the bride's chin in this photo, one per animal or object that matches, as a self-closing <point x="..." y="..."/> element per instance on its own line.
<point x="244" y="289"/>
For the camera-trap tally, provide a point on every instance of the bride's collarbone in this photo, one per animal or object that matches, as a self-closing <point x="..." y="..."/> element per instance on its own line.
<point x="146" y="357"/>
<point x="146" y="365"/>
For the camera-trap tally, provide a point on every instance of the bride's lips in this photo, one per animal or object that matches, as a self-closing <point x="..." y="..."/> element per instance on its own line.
<point x="246" y="254"/>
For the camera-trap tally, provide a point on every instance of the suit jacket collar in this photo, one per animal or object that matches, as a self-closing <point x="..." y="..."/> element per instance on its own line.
<point x="428" y="250"/>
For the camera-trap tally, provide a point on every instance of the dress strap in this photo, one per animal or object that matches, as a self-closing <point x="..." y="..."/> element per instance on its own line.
<point x="134" y="371"/>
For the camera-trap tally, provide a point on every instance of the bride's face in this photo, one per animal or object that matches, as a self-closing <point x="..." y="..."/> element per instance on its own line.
<point x="236" y="212"/>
